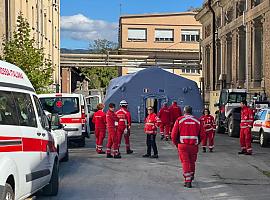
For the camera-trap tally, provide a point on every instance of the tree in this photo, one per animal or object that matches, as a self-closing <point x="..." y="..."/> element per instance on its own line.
<point x="101" y="76"/>
<point x="20" y="50"/>
<point x="193" y="9"/>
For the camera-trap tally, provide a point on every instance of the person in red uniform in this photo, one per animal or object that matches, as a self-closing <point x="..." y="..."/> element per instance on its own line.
<point x="124" y="126"/>
<point x="208" y="130"/>
<point x="112" y="121"/>
<point x="247" y="118"/>
<point x="165" y="117"/>
<point x="186" y="135"/>
<point x="150" y="128"/>
<point x="99" y="119"/>
<point x="175" y="112"/>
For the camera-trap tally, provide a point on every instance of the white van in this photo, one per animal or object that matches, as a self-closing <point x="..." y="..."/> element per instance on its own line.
<point x="28" y="157"/>
<point x="72" y="109"/>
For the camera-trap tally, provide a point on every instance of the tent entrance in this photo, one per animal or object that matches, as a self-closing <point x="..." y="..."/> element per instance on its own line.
<point x="155" y="102"/>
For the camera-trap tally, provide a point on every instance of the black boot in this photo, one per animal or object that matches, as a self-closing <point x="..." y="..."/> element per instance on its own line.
<point x="118" y="156"/>
<point x="167" y="138"/>
<point x="188" y="185"/>
<point x="185" y="184"/>
<point x="242" y="152"/>
<point x="146" y="155"/>
<point x="162" y="137"/>
<point x="129" y="151"/>
<point x="211" y="150"/>
<point x="204" y="149"/>
<point x="109" y="155"/>
<point x="154" y="156"/>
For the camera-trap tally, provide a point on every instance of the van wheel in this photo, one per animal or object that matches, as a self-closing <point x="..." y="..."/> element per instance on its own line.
<point x="52" y="188"/>
<point x="8" y="193"/>
<point x="263" y="139"/>
<point x="66" y="158"/>
<point x="82" y="142"/>
<point x="232" y="128"/>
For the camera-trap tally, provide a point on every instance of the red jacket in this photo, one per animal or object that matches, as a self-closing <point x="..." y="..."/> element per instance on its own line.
<point x="111" y="119"/>
<point x="247" y="117"/>
<point x="124" y="117"/>
<point x="208" y="123"/>
<point x="164" y="115"/>
<point x="186" y="130"/>
<point x="151" y="123"/>
<point x="175" y="112"/>
<point x="99" y="119"/>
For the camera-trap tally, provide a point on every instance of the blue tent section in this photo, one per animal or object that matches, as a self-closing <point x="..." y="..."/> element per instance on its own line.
<point x="153" y="85"/>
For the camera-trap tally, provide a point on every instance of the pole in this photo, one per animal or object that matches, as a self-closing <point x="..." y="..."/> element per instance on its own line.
<point x="246" y="26"/>
<point x="213" y="41"/>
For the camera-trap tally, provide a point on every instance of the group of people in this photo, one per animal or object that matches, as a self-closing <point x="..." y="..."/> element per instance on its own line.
<point x="186" y="132"/>
<point x="117" y="123"/>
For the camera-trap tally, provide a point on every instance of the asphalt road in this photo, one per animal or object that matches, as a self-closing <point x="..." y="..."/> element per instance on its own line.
<point x="222" y="175"/>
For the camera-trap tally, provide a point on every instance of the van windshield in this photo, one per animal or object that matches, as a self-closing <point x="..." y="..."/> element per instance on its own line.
<point x="61" y="105"/>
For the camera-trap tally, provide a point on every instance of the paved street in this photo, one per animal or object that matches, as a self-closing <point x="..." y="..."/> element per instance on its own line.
<point x="221" y="175"/>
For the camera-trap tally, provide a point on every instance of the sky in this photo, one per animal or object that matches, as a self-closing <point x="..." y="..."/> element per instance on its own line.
<point x="83" y="21"/>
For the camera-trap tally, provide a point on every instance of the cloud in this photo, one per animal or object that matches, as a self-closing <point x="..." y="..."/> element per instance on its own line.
<point x="82" y="28"/>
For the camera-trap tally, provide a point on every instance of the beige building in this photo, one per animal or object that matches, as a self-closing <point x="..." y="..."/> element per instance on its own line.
<point x="166" y="38"/>
<point x="44" y="19"/>
<point x="243" y="46"/>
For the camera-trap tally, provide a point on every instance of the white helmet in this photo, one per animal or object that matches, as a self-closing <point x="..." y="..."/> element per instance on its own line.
<point x="123" y="103"/>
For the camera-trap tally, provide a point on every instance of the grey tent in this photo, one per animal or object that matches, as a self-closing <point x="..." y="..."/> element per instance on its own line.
<point x="152" y="87"/>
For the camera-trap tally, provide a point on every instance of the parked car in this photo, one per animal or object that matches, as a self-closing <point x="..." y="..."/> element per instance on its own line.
<point x="72" y="109"/>
<point x="59" y="136"/>
<point x="28" y="158"/>
<point x="261" y="127"/>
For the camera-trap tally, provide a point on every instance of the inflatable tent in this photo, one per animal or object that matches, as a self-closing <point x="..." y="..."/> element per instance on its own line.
<point x="152" y="87"/>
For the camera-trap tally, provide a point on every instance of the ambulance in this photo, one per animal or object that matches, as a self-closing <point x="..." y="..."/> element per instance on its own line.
<point x="28" y="157"/>
<point x="73" y="110"/>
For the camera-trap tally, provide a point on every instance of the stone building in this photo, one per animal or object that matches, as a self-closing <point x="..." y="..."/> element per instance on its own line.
<point x="44" y="20"/>
<point x="163" y="37"/>
<point x="242" y="46"/>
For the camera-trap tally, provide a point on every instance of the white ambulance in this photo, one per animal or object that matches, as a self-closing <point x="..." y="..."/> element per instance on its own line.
<point x="72" y="109"/>
<point x="28" y="157"/>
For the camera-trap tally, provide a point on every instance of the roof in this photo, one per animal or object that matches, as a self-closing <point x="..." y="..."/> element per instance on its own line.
<point x="13" y="77"/>
<point x="58" y="95"/>
<point x="157" y="14"/>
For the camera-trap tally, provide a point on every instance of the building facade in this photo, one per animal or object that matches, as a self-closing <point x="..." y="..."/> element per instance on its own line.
<point x="165" y="38"/>
<point x="44" y="20"/>
<point x="242" y="46"/>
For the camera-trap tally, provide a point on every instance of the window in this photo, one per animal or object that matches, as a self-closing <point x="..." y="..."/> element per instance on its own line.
<point x="236" y="97"/>
<point x="8" y="113"/>
<point x="26" y="113"/>
<point x="162" y="35"/>
<point x="42" y="117"/>
<point x="137" y="34"/>
<point x="190" y="71"/>
<point x="61" y="105"/>
<point x="190" y="35"/>
<point x="263" y="115"/>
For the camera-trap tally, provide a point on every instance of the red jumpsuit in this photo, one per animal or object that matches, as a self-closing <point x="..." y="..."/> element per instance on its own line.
<point x="186" y="135"/>
<point x="123" y="126"/>
<point x="165" y="117"/>
<point x="112" y="120"/>
<point x="246" y="124"/>
<point x="99" y="119"/>
<point x="175" y="112"/>
<point x="208" y="130"/>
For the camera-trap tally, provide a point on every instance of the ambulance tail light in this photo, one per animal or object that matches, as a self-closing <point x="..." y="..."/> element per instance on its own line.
<point x="222" y="109"/>
<point x="267" y="124"/>
<point x="83" y="115"/>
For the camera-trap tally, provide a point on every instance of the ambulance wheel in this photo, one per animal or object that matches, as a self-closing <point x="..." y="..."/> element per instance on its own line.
<point x="81" y="142"/>
<point x="232" y="128"/>
<point x="8" y="193"/>
<point x="52" y="188"/>
<point x="263" y="139"/>
<point x="66" y="158"/>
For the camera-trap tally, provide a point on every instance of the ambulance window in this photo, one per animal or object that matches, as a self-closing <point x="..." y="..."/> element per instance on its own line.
<point x="8" y="113"/>
<point x="25" y="108"/>
<point x="42" y="117"/>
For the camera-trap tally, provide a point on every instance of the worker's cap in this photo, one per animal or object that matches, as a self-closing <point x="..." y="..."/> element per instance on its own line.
<point x="123" y="103"/>
<point x="149" y="108"/>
